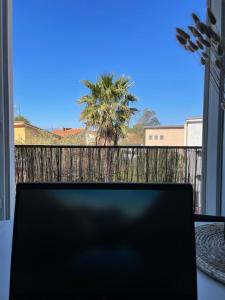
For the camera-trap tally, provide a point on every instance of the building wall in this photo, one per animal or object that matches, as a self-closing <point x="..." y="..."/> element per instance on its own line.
<point x="33" y="135"/>
<point x="30" y="135"/>
<point x="38" y="136"/>
<point x="164" y="136"/>
<point x="90" y="139"/>
<point x="131" y="139"/>
<point x="19" y="134"/>
<point x="25" y="134"/>
<point x="193" y="132"/>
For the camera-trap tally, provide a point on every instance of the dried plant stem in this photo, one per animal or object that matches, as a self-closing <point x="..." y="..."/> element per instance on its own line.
<point x="213" y="81"/>
<point x="206" y="42"/>
<point x="211" y="62"/>
<point x="216" y="84"/>
<point x="215" y="72"/>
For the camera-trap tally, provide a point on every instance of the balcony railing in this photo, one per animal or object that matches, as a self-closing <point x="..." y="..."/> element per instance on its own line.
<point x="110" y="164"/>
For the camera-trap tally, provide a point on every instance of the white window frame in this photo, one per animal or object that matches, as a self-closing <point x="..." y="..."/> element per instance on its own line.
<point x="213" y="169"/>
<point x="7" y="182"/>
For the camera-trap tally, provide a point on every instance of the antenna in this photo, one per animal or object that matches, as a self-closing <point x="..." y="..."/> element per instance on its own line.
<point x="19" y="109"/>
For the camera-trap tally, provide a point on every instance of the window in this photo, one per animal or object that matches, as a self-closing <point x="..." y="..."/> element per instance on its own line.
<point x="89" y="72"/>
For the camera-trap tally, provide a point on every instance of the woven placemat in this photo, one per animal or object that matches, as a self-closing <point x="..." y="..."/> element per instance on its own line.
<point x="210" y="250"/>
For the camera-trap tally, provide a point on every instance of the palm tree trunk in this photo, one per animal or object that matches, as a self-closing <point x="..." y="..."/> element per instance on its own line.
<point x="116" y="140"/>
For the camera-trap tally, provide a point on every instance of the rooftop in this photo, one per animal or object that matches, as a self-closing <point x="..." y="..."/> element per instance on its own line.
<point x="194" y="118"/>
<point x="165" y="127"/>
<point x="67" y="131"/>
<point x="25" y="124"/>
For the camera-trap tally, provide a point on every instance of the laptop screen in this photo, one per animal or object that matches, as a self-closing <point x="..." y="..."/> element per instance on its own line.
<point x="103" y="241"/>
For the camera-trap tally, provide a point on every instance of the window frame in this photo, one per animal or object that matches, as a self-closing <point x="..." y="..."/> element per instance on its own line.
<point x="6" y="112"/>
<point x="213" y="159"/>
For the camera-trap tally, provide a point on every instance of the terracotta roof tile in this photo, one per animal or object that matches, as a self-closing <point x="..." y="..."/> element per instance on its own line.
<point x="67" y="131"/>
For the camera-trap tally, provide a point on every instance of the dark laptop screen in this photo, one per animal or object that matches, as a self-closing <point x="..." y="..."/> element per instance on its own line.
<point x="103" y="242"/>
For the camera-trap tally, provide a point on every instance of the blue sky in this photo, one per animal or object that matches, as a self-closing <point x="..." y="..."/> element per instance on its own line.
<point x="57" y="43"/>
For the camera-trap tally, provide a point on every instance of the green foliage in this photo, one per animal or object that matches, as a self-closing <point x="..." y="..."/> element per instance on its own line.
<point x="107" y="107"/>
<point x="77" y="139"/>
<point x="21" y="118"/>
<point x="147" y="118"/>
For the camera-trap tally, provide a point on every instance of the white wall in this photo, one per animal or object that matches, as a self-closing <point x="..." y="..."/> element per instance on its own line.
<point x="193" y="133"/>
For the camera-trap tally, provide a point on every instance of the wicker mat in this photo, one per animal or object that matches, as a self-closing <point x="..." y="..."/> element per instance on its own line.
<point x="210" y="250"/>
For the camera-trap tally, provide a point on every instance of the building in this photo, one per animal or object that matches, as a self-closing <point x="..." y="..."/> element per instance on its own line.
<point x="90" y="137"/>
<point x="193" y="131"/>
<point x="189" y="134"/>
<point x="77" y="136"/>
<point x="28" y="134"/>
<point x="164" y="135"/>
<point x="64" y="132"/>
<point x="131" y="139"/>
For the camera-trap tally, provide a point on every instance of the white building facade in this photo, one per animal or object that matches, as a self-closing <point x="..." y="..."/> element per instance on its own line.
<point x="193" y="132"/>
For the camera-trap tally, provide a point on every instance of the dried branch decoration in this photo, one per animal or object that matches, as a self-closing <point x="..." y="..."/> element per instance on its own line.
<point x="194" y="31"/>
<point x="182" y="33"/>
<point x="211" y="16"/>
<point x="219" y="64"/>
<point x="220" y="50"/>
<point x="205" y="55"/>
<point x="200" y="45"/>
<point x="193" y="45"/>
<point x="210" y="47"/>
<point x="205" y="42"/>
<point x="202" y="27"/>
<point x="195" y="18"/>
<point x="181" y="40"/>
<point x="203" y="61"/>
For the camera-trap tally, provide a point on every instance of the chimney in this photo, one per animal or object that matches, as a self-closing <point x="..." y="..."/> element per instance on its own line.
<point x="65" y="129"/>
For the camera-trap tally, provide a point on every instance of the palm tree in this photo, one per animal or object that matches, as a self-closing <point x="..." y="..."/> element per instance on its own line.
<point x="107" y="107"/>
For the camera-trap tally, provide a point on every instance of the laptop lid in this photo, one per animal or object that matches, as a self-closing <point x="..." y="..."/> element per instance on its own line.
<point x="103" y="241"/>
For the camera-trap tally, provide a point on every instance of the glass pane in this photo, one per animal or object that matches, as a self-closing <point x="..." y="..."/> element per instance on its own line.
<point x="82" y="69"/>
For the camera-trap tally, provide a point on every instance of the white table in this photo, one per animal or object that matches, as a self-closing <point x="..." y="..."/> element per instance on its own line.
<point x="209" y="289"/>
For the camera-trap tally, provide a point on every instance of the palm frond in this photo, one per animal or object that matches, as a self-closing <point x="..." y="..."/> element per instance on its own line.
<point x="107" y="106"/>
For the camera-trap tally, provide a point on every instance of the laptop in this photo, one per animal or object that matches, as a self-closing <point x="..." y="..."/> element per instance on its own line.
<point x="103" y="241"/>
